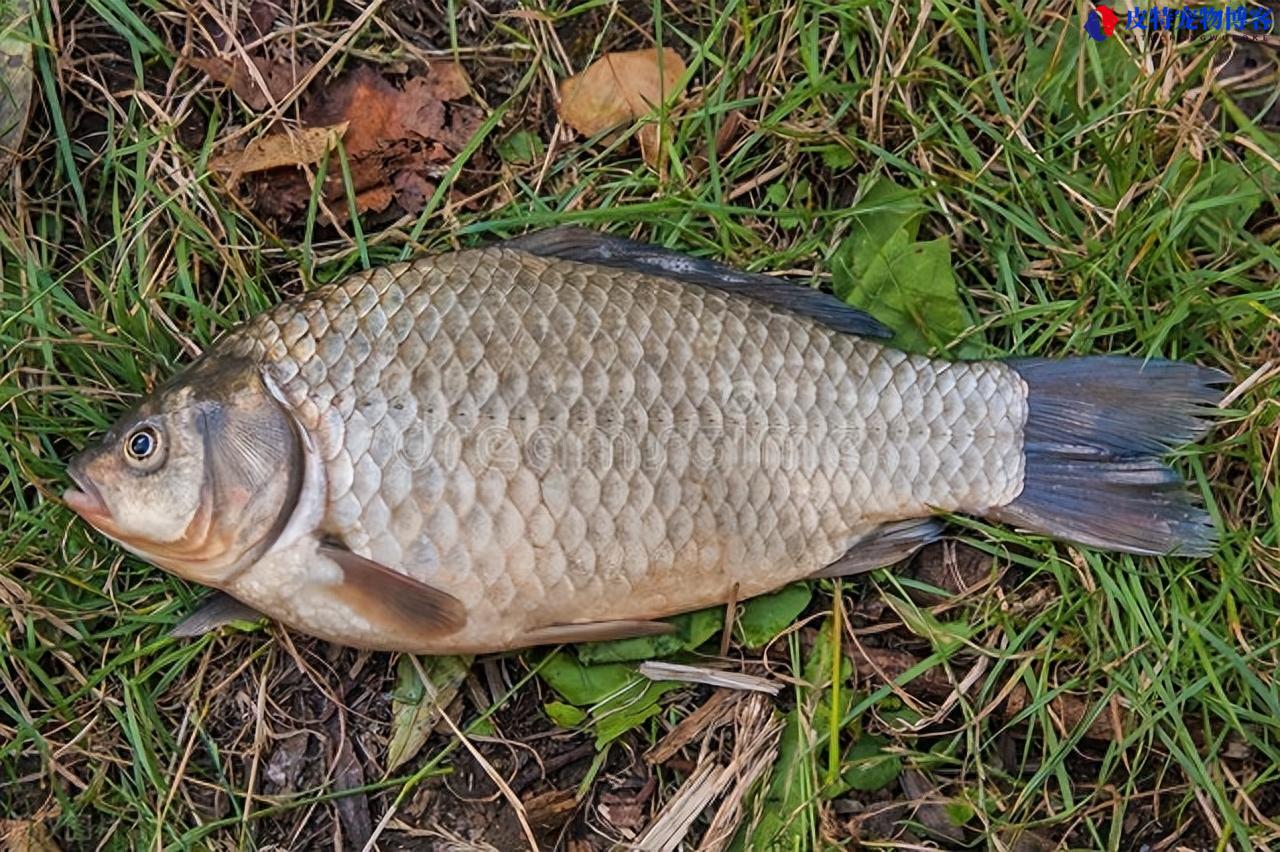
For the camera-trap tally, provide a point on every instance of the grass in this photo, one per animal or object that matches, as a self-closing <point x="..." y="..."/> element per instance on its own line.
<point x="1115" y="197"/>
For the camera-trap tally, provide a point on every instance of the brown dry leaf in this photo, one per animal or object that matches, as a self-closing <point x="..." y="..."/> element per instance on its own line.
<point x="398" y="141"/>
<point x="382" y="114"/>
<point x="25" y="835"/>
<point x="233" y="72"/>
<point x="621" y="87"/>
<point x="303" y="147"/>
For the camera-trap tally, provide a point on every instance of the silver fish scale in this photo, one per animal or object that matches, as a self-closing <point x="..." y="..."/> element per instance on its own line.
<point x="551" y="441"/>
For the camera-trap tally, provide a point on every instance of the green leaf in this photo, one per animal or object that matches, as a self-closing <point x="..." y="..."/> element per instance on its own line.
<point x="619" y="697"/>
<point x="788" y="198"/>
<point x="630" y="709"/>
<point x="959" y="812"/>
<point x="522" y="146"/>
<point x="884" y="210"/>
<point x="583" y="686"/>
<point x="415" y="708"/>
<point x="763" y="618"/>
<point x="692" y="629"/>
<point x="837" y="157"/>
<point x="870" y="766"/>
<point x="564" y="715"/>
<point x="776" y="194"/>
<point x="817" y="668"/>
<point x="908" y="285"/>
<point x="1050" y="72"/>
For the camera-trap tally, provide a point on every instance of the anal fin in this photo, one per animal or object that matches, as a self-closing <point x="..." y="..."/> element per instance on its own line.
<point x="596" y="631"/>
<point x="885" y="545"/>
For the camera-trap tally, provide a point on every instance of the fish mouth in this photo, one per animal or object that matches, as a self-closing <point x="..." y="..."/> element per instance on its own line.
<point x="85" y="500"/>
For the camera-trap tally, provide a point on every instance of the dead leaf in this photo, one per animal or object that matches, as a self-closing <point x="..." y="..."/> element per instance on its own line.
<point x="621" y="87"/>
<point x="412" y="190"/>
<point x="953" y="567"/>
<point x="15" y="77"/>
<point x="551" y="809"/>
<point x="398" y="140"/>
<point x="261" y="16"/>
<point x="449" y="81"/>
<point x="233" y="72"/>
<point x="931" y="808"/>
<point x="416" y="707"/>
<point x="26" y="835"/>
<point x="381" y="114"/>
<point x="304" y="147"/>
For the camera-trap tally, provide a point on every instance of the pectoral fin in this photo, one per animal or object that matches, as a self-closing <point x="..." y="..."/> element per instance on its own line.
<point x="885" y="545"/>
<point x="216" y="610"/>
<point x="395" y="602"/>
<point x="596" y="631"/>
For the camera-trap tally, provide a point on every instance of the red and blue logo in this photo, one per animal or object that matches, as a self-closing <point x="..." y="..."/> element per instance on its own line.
<point x="1101" y="23"/>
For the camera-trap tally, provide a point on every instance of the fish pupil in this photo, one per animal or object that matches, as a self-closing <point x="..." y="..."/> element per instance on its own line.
<point x="141" y="444"/>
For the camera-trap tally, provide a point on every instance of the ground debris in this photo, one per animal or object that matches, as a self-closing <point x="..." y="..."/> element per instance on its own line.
<point x="398" y="141"/>
<point x="26" y="835"/>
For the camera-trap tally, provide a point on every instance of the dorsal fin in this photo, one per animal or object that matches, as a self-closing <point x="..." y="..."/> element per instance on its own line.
<point x="584" y="246"/>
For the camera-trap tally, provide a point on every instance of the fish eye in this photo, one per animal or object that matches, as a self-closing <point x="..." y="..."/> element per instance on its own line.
<point x="142" y="443"/>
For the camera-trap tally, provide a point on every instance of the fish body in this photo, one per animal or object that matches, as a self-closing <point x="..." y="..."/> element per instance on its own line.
<point x="570" y="438"/>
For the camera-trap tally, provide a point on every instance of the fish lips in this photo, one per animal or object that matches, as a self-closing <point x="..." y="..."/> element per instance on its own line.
<point x="85" y="500"/>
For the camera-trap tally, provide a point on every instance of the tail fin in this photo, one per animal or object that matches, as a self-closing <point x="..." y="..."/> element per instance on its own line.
<point x="1095" y="433"/>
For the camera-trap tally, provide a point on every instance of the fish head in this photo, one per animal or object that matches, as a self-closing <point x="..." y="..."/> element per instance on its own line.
<point x="200" y="478"/>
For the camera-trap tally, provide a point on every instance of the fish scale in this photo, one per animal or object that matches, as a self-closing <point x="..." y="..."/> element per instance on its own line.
<point x="536" y="436"/>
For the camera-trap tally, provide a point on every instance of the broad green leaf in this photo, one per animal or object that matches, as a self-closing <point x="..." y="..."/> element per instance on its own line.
<point x="522" y="146"/>
<point x="764" y="617"/>
<point x="692" y="629"/>
<point x="789" y="197"/>
<point x="869" y="766"/>
<point x="908" y="286"/>
<point x="837" y="157"/>
<point x="629" y="709"/>
<point x="1049" y="75"/>
<point x="619" y="697"/>
<point x="959" y="812"/>
<point x="817" y="668"/>
<point x="583" y="686"/>
<point x="415" y="707"/>
<point x="884" y="210"/>
<point x="564" y="715"/>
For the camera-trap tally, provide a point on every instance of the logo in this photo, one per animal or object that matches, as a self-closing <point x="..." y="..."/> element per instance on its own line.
<point x="1101" y="23"/>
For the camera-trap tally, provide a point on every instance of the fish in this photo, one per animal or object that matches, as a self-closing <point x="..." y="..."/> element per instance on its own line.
<point x="569" y="436"/>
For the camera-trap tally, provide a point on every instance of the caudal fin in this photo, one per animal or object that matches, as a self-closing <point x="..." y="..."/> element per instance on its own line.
<point x="1096" y="430"/>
